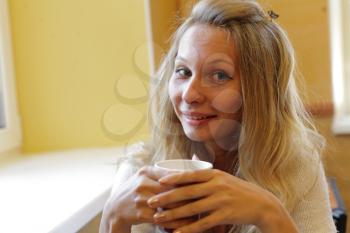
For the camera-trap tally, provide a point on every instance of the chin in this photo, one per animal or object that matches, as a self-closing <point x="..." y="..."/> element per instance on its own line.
<point x="197" y="136"/>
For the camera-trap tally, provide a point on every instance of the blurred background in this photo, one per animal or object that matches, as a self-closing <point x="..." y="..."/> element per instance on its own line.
<point x="82" y="67"/>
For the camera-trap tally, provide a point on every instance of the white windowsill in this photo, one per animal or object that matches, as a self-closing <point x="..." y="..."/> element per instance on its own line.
<point x="341" y="125"/>
<point x="54" y="192"/>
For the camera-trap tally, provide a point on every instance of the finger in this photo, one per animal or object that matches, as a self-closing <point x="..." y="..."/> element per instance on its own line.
<point x="177" y="204"/>
<point x="145" y="215"/>
<point x="182" y="193"/>
<point x="147" y="184"/>
<point x="158" y="188"/>
<point x="178" y="223"/>
<point x="140" y="201"/>
<point x="192" y="209"/>
<point x="154" y="173"/>
<point x="188" y="177"/>
<point x="203" y="224"/>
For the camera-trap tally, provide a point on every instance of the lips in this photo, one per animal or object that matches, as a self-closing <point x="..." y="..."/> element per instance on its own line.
<point x="197" y="115"/>
<point x="197" y="118"/>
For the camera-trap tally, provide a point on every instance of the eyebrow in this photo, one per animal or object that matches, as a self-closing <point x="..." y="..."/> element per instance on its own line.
<point x="213" y="61"/>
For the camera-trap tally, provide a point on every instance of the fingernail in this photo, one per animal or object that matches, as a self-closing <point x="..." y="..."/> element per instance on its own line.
<point x="152" y="201"/>
<point x="159" y="216"/>
<point x="162" y="180"/>
<point x="177" y="231"/>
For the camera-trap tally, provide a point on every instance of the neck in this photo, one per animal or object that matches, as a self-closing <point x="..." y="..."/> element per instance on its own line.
<point x="221" y="159"/>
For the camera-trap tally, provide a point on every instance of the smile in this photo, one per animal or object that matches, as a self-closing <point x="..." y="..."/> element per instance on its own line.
<point x="197" y="119"/>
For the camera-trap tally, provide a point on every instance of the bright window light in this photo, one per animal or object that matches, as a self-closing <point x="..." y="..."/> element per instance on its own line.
<point x="339" y="14"/>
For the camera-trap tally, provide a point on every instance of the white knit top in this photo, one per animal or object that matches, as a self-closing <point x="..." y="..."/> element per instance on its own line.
<point x="312" y="214"/>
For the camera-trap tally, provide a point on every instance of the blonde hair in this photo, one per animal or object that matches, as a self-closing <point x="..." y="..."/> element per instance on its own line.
<point x="276" y="130"/>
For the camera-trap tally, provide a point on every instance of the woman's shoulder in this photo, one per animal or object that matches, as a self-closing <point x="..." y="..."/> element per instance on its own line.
<point x="133" y="158"/>
<point x="305" y="171"/>
<point x="312" y="210"/>
<point x="139" y="153"/>
<point x="140" y="147"/>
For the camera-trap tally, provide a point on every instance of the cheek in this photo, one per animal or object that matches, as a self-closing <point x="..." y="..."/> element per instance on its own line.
<point x="228" y="101"/>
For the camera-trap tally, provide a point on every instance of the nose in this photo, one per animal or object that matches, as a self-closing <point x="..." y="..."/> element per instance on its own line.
<point x="193" y="92"/>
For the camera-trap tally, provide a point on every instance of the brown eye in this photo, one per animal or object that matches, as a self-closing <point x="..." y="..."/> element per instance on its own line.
<point x="183" y="73"/>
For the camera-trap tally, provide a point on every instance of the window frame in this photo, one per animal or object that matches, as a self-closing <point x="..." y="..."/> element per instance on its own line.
<point x="10" y="135"/>
<point x="339" y="64"/>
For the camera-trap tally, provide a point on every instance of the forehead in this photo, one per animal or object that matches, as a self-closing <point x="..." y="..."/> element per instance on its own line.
<point x="206" y="41"/>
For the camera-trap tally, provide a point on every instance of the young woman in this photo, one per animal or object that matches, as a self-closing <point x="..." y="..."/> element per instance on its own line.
<point x="225" y="93"/>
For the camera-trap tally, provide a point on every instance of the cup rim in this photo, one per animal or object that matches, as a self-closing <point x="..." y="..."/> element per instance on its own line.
<point x="208" y="165"/>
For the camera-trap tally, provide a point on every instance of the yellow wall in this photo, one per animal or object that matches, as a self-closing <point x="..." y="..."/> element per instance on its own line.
<point x="185" y="6"/>
<point x="68" y="57"/>
<point x="306" y="23"/>
<point x="163" y="25"/>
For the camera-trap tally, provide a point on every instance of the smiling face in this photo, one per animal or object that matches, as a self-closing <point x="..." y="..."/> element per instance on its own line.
<point x="205" y="87"/>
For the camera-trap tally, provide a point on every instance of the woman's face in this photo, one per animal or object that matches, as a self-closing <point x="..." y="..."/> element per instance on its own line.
<point x="205" y="87"/>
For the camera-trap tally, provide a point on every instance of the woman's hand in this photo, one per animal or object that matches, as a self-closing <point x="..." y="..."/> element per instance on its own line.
<point x="223" y="198"/>
<point x="128" y="205"/>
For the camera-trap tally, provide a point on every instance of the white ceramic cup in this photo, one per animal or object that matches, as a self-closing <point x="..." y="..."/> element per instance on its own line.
<point x="178" y="165"/>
